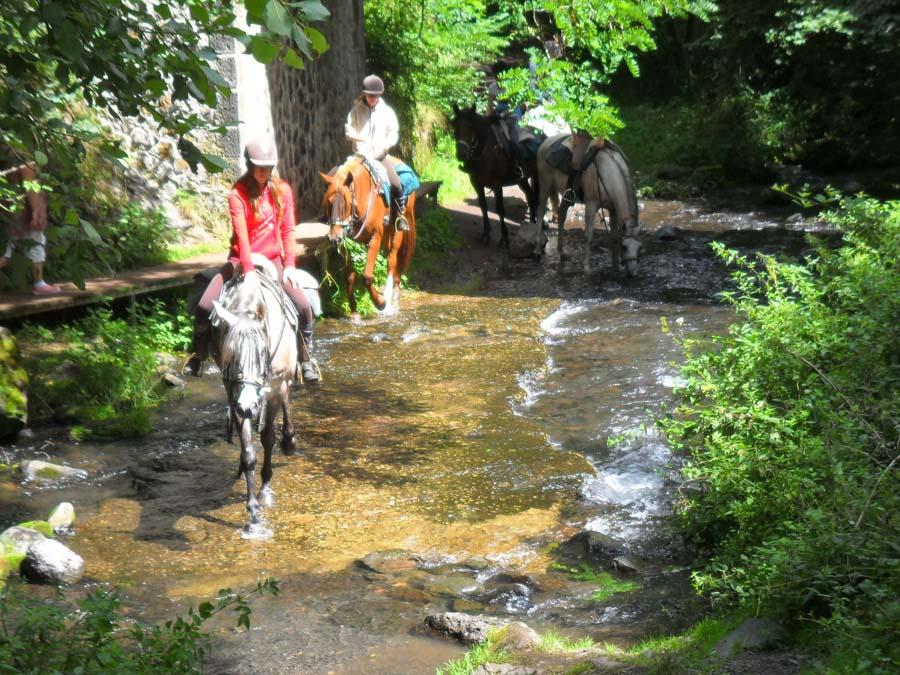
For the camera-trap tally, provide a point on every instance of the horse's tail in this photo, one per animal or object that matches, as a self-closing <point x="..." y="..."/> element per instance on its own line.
<point x="405" y="254"/>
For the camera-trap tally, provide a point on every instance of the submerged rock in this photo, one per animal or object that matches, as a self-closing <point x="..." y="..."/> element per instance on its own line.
<point x="36" y="469"/>
<point x="50" y="562"/>
<point x="386" y="562"/>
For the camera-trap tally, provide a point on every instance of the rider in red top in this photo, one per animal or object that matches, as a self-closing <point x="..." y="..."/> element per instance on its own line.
<point x="262" y="221"/>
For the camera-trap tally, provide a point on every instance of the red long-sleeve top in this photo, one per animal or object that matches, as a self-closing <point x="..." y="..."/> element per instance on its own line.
<point x="269" y="235"/>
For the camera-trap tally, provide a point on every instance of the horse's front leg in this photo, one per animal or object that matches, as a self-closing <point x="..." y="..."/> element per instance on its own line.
<point x="288" y="445"/>
<point x="266" y="495"/>
<point x="590" y="214"/>
<point x="482" y="204"/>
<point x="369" y="272"/>
<point x="350" y="273"/>
<point x="248" y="468"/>
<point x="392" y="285"/>
<point x="501" y="211"/>
<point x="531" y="197"/>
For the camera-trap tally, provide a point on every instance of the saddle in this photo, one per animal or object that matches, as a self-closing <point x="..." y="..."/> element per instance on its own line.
<point x="268" y="280"/>
<point x="409" y="181"/>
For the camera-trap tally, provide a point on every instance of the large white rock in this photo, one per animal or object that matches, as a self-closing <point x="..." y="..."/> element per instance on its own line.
<point x="50" y="562"/>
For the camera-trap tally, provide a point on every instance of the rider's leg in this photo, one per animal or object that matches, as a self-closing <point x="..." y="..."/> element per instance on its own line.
<point x="309" y="370"/>
<point x="202" y="326"/>
<point x="579" y="147"/>
<point x="398" y="198"/>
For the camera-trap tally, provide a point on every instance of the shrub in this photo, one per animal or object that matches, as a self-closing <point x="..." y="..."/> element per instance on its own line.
<point x="791" y="425"/>
<point x="94" y="637"/>
<point x="106" y="376"/>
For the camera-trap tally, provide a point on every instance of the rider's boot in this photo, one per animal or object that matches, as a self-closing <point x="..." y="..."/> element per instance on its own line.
<point x="193" y="365"/>
<point x="309" y="369"/>
<point x="398" y="209"/>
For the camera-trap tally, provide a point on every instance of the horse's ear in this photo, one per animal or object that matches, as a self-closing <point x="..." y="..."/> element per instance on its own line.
<point x="325" y="177"/>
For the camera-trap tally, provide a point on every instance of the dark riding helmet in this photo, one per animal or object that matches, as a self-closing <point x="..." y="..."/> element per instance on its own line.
<point x="261" y="151"/>
<point x="373" y="85"/>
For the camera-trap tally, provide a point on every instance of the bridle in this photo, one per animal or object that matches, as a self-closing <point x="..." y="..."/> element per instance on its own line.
<point x="355" y="223"/>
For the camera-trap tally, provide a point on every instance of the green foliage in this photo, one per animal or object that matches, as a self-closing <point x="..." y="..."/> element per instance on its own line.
<point x="427" y="53"/>
<point x="681" y="653"/>
<point x="106" y="376"/>
<point x="554" y="642"/>
<point x="94" y="637"/>
<point x="335" y="299"/>
<point x="444" y="167"/>
<point x="791" y="427"/>
<point x="591" y="41"/>
<point x="122" y="58"/>
<point x="436" y="235"/>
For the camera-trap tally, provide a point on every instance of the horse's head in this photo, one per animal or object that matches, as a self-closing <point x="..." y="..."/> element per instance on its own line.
<point x="466" y="130"/>
<point x="337" y="205"/>
<point x="245" y="359"/>
<point x="631" y="247"/>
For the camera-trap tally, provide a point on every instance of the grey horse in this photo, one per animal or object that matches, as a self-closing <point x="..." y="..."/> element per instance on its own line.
<point x="605" y="183"/>
<point x="256" y="350"/>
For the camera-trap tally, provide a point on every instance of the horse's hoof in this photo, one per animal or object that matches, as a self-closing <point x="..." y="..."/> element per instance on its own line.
<point x="266" y="498"/>
<point x="257" y="530"/>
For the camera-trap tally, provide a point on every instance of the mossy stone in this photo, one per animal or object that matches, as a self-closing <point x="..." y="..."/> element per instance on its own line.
<point x="42" y="526"/>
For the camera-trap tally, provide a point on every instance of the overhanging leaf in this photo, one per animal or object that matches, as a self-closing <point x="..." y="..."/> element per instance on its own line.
<point x="277" y="18"/>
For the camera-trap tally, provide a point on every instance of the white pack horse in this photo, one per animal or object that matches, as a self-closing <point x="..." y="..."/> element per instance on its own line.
<point x="605" y="183"/>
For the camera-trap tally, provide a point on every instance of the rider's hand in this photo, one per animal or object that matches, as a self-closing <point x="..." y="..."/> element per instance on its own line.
<point x="291" y="275"/>
<point x="251" y="278"/>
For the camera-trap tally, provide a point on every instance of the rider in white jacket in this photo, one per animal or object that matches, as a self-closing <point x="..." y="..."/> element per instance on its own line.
<point x="373" y="129"/>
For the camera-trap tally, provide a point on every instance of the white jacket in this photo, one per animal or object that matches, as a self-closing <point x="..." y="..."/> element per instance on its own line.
<point x="373" y="131"/>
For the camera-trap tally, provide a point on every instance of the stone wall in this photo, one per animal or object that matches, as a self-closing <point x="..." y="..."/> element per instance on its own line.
<point x="309" y="106"/>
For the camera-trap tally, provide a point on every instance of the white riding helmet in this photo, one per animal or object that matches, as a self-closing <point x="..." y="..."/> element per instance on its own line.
<point x="261" y="152"/>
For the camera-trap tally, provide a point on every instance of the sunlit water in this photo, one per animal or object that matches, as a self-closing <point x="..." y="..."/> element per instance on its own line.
<point x="474" y="433"/>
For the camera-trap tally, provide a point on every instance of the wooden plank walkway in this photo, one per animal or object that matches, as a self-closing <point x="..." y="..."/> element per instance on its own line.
<point x="21" y="304"/>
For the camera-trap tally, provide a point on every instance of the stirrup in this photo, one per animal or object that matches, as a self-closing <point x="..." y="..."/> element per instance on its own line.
<point x="312" y="376"/>
<point x="569" y="196"/>
<point x="402" y="224"/>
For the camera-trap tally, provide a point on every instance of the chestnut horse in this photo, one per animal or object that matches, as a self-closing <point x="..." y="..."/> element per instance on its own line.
<point x="352" y="207"/>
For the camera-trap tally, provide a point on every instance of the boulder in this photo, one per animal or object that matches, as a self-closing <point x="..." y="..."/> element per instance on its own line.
<point x="756" y="634"/>
<point x="466" y="628"/>
<point x="50" y="562"/>
<point x="14" y="543"/>
<point x="517" y="637"/>
<point x="36" y="469"/>
<point x="13" y="388"/>
<point x="62" y="517"/>
<point x="387" y="562"/>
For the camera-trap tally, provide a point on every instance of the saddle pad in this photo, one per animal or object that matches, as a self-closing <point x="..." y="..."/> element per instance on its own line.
<point x="379" y="176"/>
<point x="559" y="156"/>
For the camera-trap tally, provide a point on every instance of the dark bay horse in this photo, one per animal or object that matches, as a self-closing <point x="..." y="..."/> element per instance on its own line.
<point x="606" y="183"/>
<point x="255" y="347"/>
<point x="488" y="166"/>
<point x="353" y="207"/>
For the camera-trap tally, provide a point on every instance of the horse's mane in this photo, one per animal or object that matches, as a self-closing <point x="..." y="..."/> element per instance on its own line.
<point x="245" y="352"/>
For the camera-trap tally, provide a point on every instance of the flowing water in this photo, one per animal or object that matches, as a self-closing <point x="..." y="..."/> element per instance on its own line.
<point x="452" y="447"/>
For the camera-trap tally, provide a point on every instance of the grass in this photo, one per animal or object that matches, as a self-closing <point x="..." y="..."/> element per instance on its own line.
<point x="478" y="655"/>
<point x="554" y="642"/>
<point x="184" y="252"/>
<point x="444" y="167"/>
